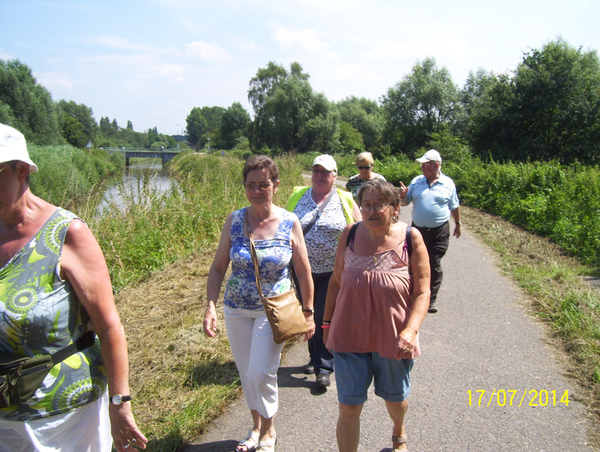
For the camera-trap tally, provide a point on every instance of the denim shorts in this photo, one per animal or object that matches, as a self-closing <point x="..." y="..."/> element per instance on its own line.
<point x="355" y="371"/>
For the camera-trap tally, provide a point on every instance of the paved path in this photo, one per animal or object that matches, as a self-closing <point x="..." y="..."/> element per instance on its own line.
<point x="481" y="339"/>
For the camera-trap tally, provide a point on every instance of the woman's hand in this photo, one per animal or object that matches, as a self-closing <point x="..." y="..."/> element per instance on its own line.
<point x="310" y="321"/>
<point x="407" y="341"/>
<point x="210" y="320"/>
<point x="123" y="428"/>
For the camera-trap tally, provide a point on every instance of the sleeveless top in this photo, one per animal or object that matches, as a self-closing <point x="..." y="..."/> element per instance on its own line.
<point x="41" y="314"/>
<point x="322" y="239"/>
<point x="274" y="256"/>
<point x="373" y="304"/>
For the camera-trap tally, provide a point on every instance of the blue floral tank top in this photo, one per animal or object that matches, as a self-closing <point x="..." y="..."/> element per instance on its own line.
<point x="274" y="256"/>
<point x="40" y="314"/>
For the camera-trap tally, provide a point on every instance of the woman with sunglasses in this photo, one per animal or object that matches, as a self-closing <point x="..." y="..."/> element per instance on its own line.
<point x="279" y="241"/>
<point x="364" y="163"/>
<point x="377" y="300"/>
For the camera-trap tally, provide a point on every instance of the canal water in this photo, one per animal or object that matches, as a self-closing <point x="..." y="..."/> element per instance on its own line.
<point x="135" y="180"/>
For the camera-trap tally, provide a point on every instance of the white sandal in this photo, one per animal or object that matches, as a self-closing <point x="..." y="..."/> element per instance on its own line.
<point x="268" y="445"/>
<point x="250" y="442"/>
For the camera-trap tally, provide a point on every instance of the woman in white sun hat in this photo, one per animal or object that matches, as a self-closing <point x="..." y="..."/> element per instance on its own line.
<point x="56" y="298"/>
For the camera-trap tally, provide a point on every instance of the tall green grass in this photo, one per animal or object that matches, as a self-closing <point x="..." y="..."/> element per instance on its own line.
<point x="67" y="175"/>
<point x="155" y="229"/>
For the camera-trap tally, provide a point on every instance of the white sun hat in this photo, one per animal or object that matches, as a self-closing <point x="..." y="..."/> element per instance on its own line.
<point x="13" y="147"/>
<point x="430" y="156"/>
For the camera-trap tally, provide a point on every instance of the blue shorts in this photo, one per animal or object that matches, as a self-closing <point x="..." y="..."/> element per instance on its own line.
<point x="355" y="371"/>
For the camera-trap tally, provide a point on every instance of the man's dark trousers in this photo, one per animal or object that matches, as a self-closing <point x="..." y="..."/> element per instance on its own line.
<point x="436" y="241"/>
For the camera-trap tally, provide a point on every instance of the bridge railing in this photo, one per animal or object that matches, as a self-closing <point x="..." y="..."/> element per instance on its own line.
<point x="124" y="149"/>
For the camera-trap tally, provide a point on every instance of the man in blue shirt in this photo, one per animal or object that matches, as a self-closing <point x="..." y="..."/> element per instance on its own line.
<point x="434" y="199"/>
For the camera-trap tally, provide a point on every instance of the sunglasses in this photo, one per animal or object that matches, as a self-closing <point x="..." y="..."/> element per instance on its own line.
<point x="364" y="166"/>
<point x="251" y="186"/>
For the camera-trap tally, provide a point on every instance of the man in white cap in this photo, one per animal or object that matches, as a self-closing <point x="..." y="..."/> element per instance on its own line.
<point x="434" y="199"/>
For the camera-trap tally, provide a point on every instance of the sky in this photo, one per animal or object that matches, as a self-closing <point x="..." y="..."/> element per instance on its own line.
<point x="150" y="62"/>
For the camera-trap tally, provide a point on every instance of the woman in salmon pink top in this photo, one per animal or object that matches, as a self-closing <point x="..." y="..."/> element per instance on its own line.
<point x="377" y="300"/>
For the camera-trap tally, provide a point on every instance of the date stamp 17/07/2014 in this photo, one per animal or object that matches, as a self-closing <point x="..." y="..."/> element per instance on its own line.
<point x="512" y="397"/>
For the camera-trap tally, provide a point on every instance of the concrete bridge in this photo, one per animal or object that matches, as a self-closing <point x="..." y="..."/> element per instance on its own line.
<point x="164" y="154"/>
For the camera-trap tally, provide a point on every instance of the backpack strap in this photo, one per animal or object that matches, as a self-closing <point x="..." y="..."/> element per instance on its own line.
<point x="352" y="233"/>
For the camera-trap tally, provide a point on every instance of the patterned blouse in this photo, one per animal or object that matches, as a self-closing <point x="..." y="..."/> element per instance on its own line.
<point x="322" y="239"/>
<point x="274" y="256"/>
<point x="40" y="314"/>
<point x="355" y="182"/>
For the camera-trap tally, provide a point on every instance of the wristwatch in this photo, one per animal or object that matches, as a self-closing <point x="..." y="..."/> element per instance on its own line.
<point x="458" y="222"/>
<point x="311" y="310"/>
<point x="118" y="399"/>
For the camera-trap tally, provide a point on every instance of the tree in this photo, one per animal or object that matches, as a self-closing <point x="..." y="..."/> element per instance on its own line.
<point x="550" y="109"/>
<point x="73" y="131"/>
<point x="234" y="125"/>
<point x="421" y="104"/>
<point x="83" y="115"/>
<point x="196" y="125"/>
<point x="288" y="115"/>
<point x="27" y="105"/>
<point x="557" y="97"/>
<point x="365" y="116"/>
<point x="350" y="138"/>
<point x="268" y="79"/>
<point x="129" y="125"/>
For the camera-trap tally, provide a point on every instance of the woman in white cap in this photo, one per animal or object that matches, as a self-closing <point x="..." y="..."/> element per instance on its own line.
<point x="324" y="212"/>
<point x="55" y="291"/>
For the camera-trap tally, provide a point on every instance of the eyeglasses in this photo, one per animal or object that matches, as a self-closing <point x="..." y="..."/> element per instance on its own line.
<point x="4" y="168"/>
<point x="364" y="166"/>
<point x="262" y="185"/>
<point x="377" y="208"/>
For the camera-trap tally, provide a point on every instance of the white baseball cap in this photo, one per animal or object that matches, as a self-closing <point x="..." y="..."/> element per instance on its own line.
<point x="13" y="147"/>
<point x="326" y="161"/>
<point x="430" y="156"/>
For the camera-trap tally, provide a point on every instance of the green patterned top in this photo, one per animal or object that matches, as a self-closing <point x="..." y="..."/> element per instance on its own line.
<point x="40" y="314"/>
<point x="355" y="182"/>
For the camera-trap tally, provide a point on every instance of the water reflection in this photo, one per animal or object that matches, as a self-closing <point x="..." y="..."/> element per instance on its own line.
<point x="136" y="179"/>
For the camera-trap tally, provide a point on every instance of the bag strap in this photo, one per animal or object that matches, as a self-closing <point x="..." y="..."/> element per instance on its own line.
<point x="352" y="232"/>
<point x="253" y="254"/>
<point x="320" y="210"/>
<point x="85" y="341"/>
<point x="409" y="240"/>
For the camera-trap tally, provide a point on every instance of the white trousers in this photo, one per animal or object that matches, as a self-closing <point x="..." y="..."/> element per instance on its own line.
<point x="85" y="429"/>
<point x="257" y="357"/>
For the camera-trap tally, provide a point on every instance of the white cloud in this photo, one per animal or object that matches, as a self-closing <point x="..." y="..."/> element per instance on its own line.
<point x="117" y="42"/>
<point x="54" y="81"/>
<point x="306" y="41"/>
<point x="439" y="46"/>
<point x="249" y="46"/>
<point x="206" y="51"/>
